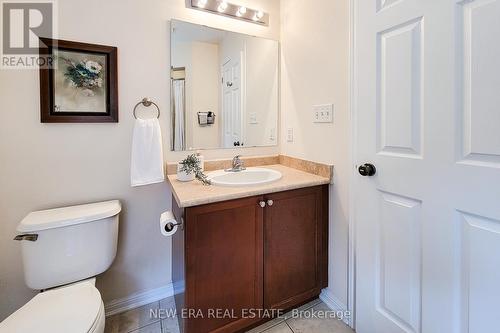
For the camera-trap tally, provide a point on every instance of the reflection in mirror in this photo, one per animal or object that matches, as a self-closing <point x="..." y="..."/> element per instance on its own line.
<point x="224" y="90"/>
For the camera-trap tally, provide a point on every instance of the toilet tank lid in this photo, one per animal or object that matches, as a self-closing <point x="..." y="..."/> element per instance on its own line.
<point x="66" y="216"/>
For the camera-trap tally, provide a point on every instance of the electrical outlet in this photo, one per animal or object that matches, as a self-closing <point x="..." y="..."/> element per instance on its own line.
<point x="272" y="135"/>
<point x="323" y="113"/>
<point x="253" y="118"/>
<point x="289" y="134"/>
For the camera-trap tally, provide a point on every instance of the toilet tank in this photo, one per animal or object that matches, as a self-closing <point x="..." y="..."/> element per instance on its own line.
<point x="65" y="245"/>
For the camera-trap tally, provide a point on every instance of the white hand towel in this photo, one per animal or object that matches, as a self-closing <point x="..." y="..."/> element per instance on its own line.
<point x="147" y="156"/>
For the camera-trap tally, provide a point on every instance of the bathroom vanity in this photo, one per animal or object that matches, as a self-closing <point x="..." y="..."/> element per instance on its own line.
<point x="238" y="252"/>
<point x="255" y="240"/>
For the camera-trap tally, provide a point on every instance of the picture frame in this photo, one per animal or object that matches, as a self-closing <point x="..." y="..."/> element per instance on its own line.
<point x="79" y="84"/>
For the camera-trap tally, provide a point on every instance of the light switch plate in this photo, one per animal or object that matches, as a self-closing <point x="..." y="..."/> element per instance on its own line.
<point x="323" y="113"/>
<point x="253" y="118"/>
<point x="289" y="134"/>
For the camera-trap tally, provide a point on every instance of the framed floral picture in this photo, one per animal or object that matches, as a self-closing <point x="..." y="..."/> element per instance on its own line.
<point x="79" y="83"/>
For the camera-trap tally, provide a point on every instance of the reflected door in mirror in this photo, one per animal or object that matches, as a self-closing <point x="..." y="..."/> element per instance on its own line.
<point x="231" y="106"/>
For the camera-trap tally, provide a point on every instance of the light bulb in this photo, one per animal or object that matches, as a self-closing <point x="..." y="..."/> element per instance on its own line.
<point x="242" y="11"/>
<point x="222" y="6"/>
<point x="259" y="14"/>
<point x="202" y="3"/>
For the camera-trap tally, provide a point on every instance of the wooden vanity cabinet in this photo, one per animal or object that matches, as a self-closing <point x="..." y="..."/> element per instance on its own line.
<point x="237" y="255"/>
<point x="224" y="267"/>
<point x="295" y="246"/>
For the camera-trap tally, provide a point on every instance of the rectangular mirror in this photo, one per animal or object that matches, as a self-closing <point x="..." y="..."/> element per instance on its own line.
<point x="224" y="89"/>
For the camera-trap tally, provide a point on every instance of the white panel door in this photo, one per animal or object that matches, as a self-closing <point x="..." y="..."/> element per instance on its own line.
<point x="236" y="108"/>
<point x="227" y="115"/>
<point x="427" y="98"/>
<point x="232" y="103"/>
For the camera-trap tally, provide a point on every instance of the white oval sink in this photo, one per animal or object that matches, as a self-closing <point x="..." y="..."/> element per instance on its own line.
<point x="250" y="176"/>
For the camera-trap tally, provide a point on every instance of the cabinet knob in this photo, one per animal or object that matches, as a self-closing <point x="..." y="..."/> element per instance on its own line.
<point x="262" y="204"/>
<point x="270" y="202"/>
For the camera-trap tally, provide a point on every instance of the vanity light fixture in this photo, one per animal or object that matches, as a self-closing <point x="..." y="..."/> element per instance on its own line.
<point x="242" y="11"/>
<point x="224" y="8"/>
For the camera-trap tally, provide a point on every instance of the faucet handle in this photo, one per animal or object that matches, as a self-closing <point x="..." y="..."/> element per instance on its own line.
<point x="236" y="159"/>
<point x="237" y="164"/>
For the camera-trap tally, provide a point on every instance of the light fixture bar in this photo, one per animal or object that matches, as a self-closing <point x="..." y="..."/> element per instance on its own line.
<point x="224" y="8"/>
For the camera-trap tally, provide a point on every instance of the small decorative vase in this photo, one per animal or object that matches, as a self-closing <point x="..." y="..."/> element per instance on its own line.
<point x="183" y="176"/>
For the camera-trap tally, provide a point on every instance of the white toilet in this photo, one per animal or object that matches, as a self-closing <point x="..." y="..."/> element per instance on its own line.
<point x="63" y="249"/>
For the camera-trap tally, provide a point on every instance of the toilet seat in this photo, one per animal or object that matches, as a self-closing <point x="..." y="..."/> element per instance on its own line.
<point x="75" y="308"/>
<point x="98" y="326"/>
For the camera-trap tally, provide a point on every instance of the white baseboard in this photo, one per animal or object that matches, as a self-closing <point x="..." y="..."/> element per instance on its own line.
<point x="136" y="300"/>
<point x="179" y="287"/>
<point x="142" y="298"/>
<point x="334" y="303"/>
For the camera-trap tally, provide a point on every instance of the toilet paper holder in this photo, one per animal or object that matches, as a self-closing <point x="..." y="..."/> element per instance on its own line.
<point x="170" y="226"/>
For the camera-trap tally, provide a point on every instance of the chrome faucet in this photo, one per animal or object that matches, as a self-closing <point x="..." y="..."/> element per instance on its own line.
<point x="237" y="165"/>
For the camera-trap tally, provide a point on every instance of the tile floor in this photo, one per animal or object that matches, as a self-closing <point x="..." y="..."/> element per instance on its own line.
<point x="140" y="321"/>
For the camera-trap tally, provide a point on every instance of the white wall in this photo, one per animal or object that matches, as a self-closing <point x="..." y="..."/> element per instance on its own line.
<point x="315" y="52"/>
<point x="262" y="93"/>
<point x="201" y="61"/>
<point x="206" y="93"/>
<point x="47" y="165"/>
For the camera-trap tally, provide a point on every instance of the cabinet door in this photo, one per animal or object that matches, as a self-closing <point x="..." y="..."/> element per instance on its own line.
<point x="224" y="264"/>
<point x="294" y="242"/>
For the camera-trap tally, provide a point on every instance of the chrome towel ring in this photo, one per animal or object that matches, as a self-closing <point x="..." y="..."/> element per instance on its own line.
<point x="147" y="103"/>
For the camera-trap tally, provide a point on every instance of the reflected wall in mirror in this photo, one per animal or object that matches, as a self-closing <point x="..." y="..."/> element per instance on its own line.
<point x="224" y="90"/>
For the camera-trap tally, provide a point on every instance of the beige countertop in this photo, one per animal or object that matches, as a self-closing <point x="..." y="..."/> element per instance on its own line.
<point x="194" y="193"/>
